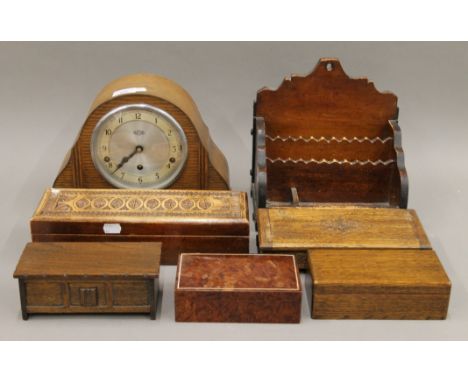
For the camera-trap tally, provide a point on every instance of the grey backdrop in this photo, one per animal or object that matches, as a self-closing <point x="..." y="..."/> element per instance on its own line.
<point x="46" y="89"/>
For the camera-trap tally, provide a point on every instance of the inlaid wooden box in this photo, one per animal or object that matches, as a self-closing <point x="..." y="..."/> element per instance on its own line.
<point x="295" y="230"/>
<point x="378" y="284"/>
<point x="237" y="288"/>
<point x="182" y="220"/>
<point x="89" y="278"/>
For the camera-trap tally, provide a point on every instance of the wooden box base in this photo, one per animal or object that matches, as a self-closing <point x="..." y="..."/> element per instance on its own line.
<point x="61" y="296"/>
<point x="378" y="284"/>
<point x="89" y="278"/>
<point x="237" y="288"/>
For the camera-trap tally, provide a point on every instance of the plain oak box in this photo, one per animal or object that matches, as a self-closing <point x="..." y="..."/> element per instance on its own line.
<point x="182" y="220"/>
<point x="295" y="230"/>
<point x="89" y="278"/>
<point x="383" y="284"/>
<point x="237" y="288"/>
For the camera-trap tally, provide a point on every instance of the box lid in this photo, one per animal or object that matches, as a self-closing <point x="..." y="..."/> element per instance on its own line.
<point x="141" y="212"/>
<point x="301" y="228"/>
<point x="63" y="259"/>
<point x="234" y="272"/>
<point x="371" y="271"/>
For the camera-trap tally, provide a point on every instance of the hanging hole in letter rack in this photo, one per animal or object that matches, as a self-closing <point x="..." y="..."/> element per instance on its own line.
<point x="329" y="66"/>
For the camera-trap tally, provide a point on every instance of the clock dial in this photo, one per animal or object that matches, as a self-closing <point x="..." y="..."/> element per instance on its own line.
<point x="136" y="146"/>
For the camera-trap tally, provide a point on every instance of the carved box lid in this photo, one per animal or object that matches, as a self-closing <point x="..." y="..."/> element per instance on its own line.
<point x="290" y="229"/>
<point x="141" y="212"/>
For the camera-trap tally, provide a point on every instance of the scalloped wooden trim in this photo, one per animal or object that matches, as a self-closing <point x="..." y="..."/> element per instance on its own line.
<point x="321" y="67"/>
<point x="328" y="140"/>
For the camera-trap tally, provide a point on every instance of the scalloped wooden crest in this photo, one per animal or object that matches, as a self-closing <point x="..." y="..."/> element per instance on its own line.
<point x="330" y="67"/>
<point x="327" y="87"/>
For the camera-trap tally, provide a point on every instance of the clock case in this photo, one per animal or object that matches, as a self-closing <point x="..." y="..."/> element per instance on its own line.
<point x="206" y="166"/>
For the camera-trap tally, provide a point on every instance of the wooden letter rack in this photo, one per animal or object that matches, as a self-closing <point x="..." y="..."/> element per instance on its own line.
<point x="326" y="138"/>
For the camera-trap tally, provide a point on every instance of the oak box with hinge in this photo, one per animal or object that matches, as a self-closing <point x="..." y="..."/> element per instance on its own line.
<point x="295" y="230"/>
<point x="182" y="220"/>
<point x="237" y="288"/>
<point x="383" y="284"/>
<point x="89" y="278"/>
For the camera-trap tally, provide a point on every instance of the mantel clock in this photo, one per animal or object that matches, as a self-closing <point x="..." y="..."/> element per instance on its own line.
<point x="144" y="131"/>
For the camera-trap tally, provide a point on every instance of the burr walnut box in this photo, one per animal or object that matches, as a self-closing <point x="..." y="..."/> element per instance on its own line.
<point x="384" y="284"/>
<point x="294" y="230"/>
<point x="89" y="278"/>
<point x="237" y="288"/>
<point x="182" y="220"/>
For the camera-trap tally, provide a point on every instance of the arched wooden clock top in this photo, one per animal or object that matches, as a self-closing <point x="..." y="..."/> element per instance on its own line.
<point x="205" y="167"/>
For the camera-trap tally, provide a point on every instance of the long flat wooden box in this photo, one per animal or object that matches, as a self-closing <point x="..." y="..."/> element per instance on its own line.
<point x="237" y="288"/>
<point x="182" y="220"/>
<point x="297" y="229"/>
<point x="89" y="278"/>
<point x="378" y="284"/>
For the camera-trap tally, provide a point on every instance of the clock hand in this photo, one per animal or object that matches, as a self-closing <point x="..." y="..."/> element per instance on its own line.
<point x="124" y="160"/>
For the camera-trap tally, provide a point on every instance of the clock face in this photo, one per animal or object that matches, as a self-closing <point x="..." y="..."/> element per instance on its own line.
<point x="136" y="146"/>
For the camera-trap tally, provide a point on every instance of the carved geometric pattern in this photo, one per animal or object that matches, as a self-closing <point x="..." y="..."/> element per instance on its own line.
<point x="329" y="140"/>
<point x="98" y="203"/>
<point x="333" y="161"/>
<point x="340" y="225"/>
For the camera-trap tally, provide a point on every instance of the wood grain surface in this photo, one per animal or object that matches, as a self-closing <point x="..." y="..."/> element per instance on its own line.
<point x="339" y="227"/>
<point x="378" y="284"/>
<point x="225" y="272"/>
<point x="206" y="166"/>
<point x="182" y="220"/>
<point x="88" y="278"/>
<point x="62" y="259"/>
<point x="237" y="288"/>
<point x="333" y="138"/>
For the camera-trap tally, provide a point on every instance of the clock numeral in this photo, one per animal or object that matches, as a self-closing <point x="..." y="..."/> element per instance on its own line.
<point x="120" y="120"/>
<point x="109" y="164"/>
<point x="168" y="165"/>
<point x="104" y="148"/>
<point x="155" y="120"/>
<point x="108" y="132"/>
<point x="180" y="147"/>
<point x="137" y="115"/>
<point x="157" y="175"/>
<point x="174" y="149"/>
<point x="140" y="179"/>
<point x="122" y="174"/>
<point x="169" y="134"/>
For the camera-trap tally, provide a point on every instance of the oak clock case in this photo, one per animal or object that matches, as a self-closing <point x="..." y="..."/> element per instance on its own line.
<point x="144" y="131"/>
